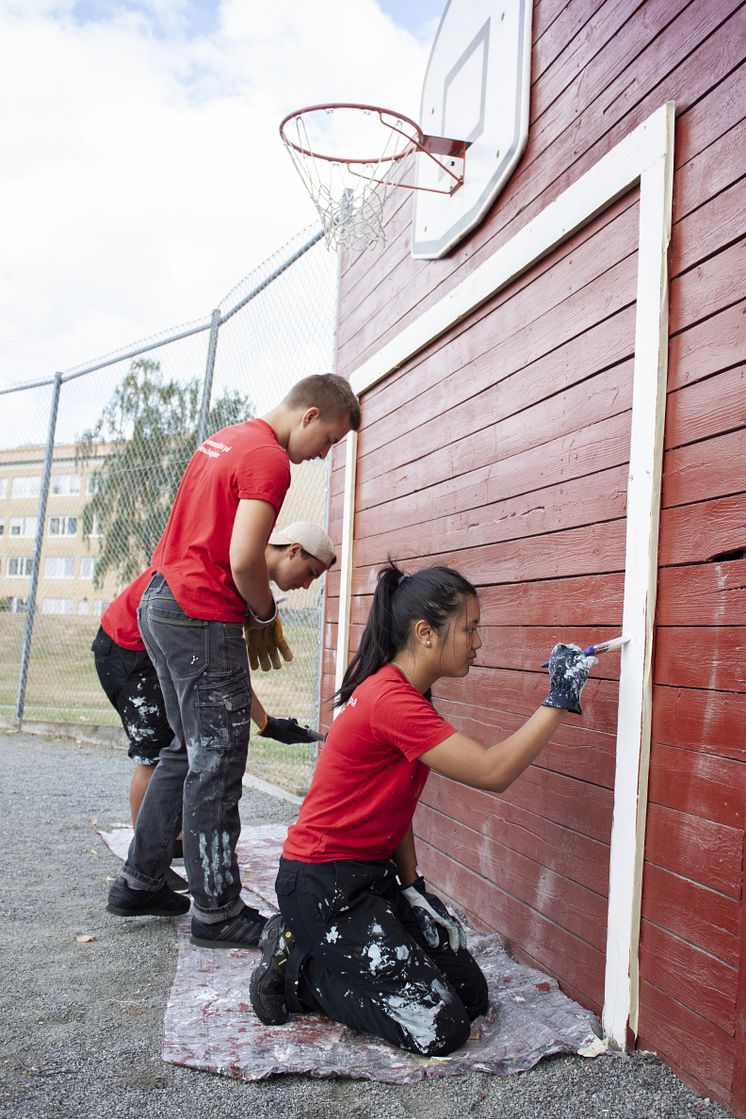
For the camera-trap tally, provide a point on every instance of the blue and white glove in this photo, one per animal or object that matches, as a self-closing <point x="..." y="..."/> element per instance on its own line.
<point x="568" y="674"/>
<point x="430" y="912"/>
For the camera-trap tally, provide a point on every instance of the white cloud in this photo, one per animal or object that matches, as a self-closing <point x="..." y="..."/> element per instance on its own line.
<point x="143" y="174"/>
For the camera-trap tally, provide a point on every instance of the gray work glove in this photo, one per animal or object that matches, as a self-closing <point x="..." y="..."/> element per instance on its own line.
<point x="568" y="672"/>
<point x="430" y="912"/>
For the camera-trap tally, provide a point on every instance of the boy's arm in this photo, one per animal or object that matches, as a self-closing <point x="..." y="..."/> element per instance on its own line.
<point x="405" y="858"/>
<point x="251" y="529"/>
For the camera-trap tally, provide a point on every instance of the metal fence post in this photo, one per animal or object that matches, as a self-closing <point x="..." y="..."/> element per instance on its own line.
<point x="38" y="543"/>
<point x="209" y="370"/>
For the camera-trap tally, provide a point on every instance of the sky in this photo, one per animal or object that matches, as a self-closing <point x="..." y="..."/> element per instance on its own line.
<point x="141" y="170"/>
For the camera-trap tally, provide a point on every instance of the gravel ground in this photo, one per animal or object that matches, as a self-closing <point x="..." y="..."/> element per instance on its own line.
<point x="82" y="1023"/>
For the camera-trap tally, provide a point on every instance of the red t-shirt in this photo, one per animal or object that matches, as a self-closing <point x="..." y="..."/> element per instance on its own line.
<point x="243" y="461"/>
<point x="119" y="619"/>
<point x="368" y="778"/>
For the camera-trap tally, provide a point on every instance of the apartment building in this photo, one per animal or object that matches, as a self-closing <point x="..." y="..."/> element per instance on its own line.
<point x="68" y="559"/>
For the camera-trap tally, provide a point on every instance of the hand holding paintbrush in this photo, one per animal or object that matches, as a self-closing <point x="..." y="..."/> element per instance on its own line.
<point x="601" y="647"/>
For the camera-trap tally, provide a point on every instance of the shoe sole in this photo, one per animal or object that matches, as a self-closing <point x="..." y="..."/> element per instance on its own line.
<point x="256" y="977"/>
<point x="152" y="911"/>
<point x="204" y="942"/>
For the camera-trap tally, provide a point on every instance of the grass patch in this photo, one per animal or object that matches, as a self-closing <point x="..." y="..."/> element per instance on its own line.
<point x="62" y="685"/>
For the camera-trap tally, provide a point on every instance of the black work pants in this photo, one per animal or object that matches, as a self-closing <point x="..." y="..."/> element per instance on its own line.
<point x="360" y="958"/>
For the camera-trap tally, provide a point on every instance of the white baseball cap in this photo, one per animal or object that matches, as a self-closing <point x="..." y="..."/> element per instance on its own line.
<point x="311" y="538"/>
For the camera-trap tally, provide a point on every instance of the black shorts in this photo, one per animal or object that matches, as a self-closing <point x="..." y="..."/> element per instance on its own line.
<point x="131" y="684"/>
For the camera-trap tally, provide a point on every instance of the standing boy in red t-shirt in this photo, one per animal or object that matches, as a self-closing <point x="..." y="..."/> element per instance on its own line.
<point x="211" y="572"/>
<point x="296" y="555"/>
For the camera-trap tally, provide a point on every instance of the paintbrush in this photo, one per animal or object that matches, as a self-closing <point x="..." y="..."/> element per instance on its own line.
<point x="601" y="647"/>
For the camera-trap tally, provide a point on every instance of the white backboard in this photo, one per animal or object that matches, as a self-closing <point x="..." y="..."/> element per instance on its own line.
<point x="476" y="88"/>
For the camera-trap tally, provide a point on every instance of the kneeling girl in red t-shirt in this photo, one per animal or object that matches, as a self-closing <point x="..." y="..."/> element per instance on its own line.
<point x="358" y="936"/>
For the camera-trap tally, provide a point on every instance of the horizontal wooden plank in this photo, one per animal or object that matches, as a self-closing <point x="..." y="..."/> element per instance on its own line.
<point x="555" y="895"/>
<point x="702" y="532"/>
<point x="713" y="658"/>
<point x="554" y="950"/>
<point x="699" y="1051"/>
<point x="703" y="470"/>
<point x="496" y="820"/>
<point x="692" y="719"/>
<point x="707" y="594"/>
<point x="700" y="783"/>
<point x="708" y="919"/>
<point x="706" y="408"/>
<point x="709" y="989"/>
<point x="705" y="851"/>
<point x="594" y="600"/>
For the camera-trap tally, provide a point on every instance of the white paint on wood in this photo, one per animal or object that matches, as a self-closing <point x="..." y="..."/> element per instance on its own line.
<point x="345" y="569"/>
<point x="644" y="156"/>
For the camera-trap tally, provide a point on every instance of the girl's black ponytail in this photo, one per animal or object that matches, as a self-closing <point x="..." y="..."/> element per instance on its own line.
<point x="435" y="594"/>
<point x="377" y="643"/>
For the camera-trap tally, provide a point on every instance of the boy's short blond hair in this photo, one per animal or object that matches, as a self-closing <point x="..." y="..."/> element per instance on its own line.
<point x="329" y="393"/>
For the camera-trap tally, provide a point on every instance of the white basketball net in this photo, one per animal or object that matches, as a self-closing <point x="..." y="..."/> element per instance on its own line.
<point x="350" y="193"/>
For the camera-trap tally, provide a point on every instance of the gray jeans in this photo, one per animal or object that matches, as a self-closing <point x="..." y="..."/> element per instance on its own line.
<point x="203" y="671"/>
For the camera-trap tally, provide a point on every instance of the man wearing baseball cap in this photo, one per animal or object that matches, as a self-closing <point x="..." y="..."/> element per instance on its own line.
<point x="295" y="557"/>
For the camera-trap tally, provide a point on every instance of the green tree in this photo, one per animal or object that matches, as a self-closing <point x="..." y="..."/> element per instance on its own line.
<point x="136" y="453"/>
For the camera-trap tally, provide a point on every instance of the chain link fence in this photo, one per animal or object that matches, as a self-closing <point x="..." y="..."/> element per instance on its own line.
<point x="90" y="460"/>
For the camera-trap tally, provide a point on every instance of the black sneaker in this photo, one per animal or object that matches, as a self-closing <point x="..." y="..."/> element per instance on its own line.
<point x="175" y="882"/>
<point x="126" y="902"/>
<point x="241" y="931"/>
<point x="267" y="987"/>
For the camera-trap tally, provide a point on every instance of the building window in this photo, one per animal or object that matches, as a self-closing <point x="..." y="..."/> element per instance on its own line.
<point x="60" y="567"/>
<point x="83" y="606"/>
<point x="65" y="484"/>
<point x="2" y="526"/>
<point x="57" y="606"/>
<point x="95" y="525"/>
<point x="87" y="567"/>
<point x="99" y="606"/>
<point x="63" y="526"/>
<point x="3" y="487"/>
<point x="26" y="485"/>
<point x="93" y="482"/>
<point x="20" y="566"/>
<point x="22" y="526"/>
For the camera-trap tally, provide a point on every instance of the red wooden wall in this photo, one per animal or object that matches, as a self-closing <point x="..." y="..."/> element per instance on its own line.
<point x="502" y="450"/>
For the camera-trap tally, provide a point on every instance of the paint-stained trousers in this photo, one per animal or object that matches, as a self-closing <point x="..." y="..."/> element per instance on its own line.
<point x="203" y="671"/>
<point x="360" y="958"/>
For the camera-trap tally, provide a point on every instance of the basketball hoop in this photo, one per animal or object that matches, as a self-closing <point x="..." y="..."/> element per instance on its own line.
<point x="350" y="190"/>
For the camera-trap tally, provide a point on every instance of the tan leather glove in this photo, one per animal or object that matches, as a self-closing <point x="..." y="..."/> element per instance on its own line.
<point x="266" y="646"/>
